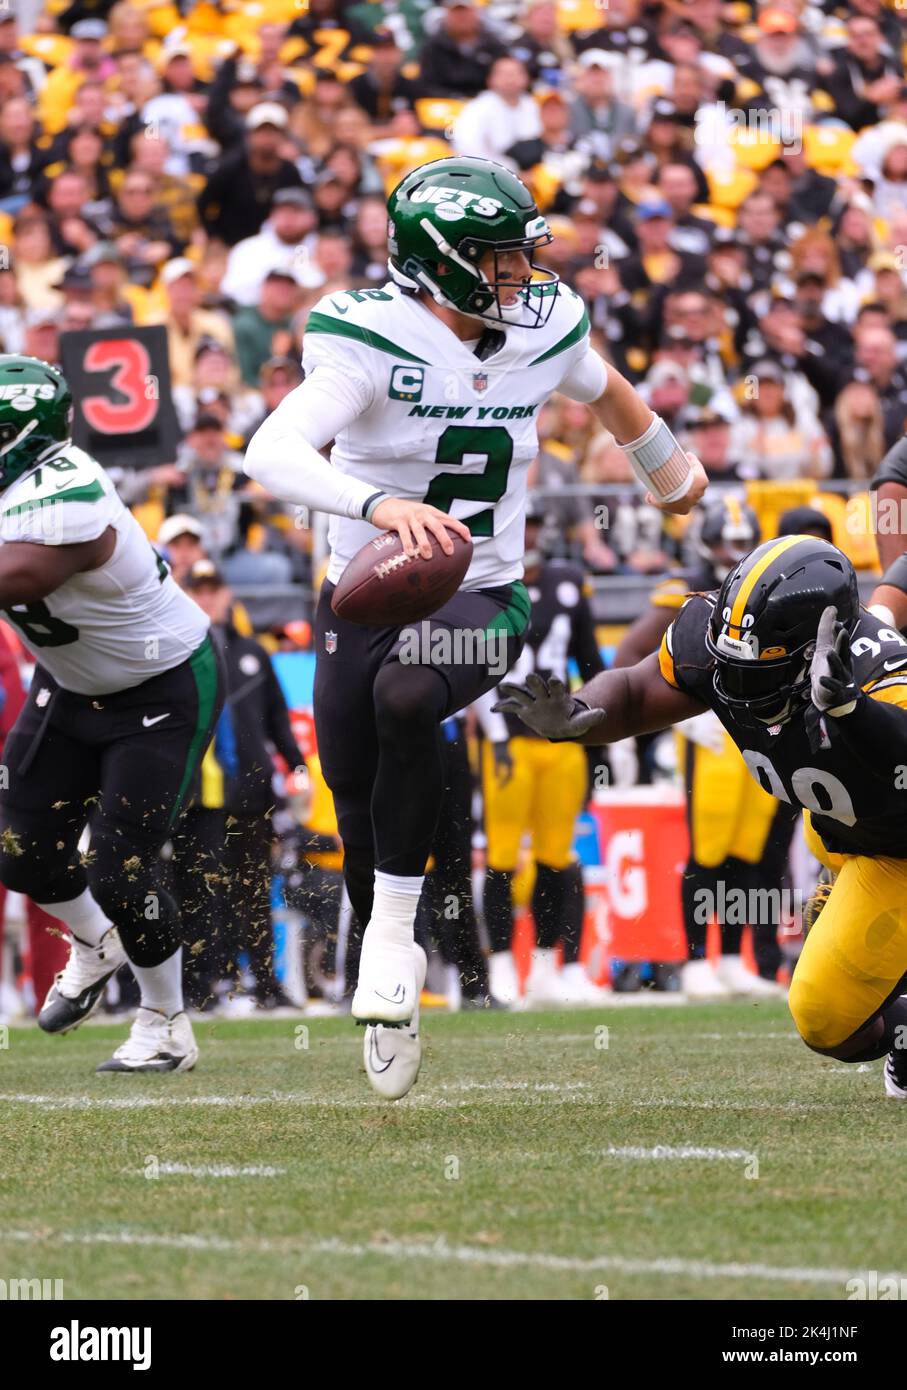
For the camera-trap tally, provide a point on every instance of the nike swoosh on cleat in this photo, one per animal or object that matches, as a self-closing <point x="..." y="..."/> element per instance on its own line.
<point x="373" y="1053"/>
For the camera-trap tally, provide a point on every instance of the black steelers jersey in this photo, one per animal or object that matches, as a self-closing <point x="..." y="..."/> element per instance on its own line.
<point x="855" y="785"/>
<point x="560" y="627"/>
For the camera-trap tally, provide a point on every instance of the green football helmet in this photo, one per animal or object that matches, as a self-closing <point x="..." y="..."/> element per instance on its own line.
<point x="445" y="216"/>
<point x="35" y="414"/>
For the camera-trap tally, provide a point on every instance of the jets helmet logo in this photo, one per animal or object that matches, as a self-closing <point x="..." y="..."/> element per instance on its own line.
<point x="456" y="197"/>
<point x="22" y="395"/>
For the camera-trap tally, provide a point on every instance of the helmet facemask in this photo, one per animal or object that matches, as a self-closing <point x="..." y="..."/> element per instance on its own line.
<point x="449" y="216"/>
<point x="762" y="633"/>
<point x="484" y="301"/>
<point x="764" y="692"/>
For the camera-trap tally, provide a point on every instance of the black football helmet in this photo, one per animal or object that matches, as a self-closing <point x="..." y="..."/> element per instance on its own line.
<point x="763" y="629"/>
<point x="728" y="531"/>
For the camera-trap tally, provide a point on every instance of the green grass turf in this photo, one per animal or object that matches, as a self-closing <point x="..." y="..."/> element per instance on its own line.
<point x="497" y="1154"/>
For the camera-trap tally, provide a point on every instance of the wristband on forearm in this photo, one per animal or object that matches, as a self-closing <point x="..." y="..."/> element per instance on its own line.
<point x="371" y="503"/>
<point x="659" y="462"/>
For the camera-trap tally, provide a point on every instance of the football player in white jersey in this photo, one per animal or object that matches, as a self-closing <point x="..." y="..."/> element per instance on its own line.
<point x="430" y="388"/>
<point x="126" y="693"/>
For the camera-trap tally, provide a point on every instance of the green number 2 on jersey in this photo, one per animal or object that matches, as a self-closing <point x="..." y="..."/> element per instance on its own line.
<point x="454" y="445"/>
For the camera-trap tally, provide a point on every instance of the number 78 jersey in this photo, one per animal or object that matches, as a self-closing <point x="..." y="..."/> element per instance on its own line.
<point x="436" y="423"/>
<point x="107" y="629"/>
<point x="857" y="805"/>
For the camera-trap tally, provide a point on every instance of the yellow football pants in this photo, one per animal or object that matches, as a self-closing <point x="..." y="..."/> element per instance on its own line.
<point x="545" y="795"/>
<point x="730" y="814"/>
<point x="856" y="954"/>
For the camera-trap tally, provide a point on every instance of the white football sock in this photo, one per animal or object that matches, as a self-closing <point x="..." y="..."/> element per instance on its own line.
<point x="394" y="908"/>
<point x="82" y="916"/>
<point x="162" y="985"/>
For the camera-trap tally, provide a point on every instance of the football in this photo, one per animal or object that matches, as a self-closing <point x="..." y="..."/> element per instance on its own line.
<point x="383" y="586"/>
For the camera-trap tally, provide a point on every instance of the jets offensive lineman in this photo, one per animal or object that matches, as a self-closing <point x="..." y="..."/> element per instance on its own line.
<point x="431" y="388"/>
<point x="126" y="693"/>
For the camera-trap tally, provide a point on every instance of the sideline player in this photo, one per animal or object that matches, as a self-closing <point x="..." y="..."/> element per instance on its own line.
<point x="528" y="785"/>
<point x="813" y="690"/>
<point x="431" y="388"/>
<point x="126" y="692"/>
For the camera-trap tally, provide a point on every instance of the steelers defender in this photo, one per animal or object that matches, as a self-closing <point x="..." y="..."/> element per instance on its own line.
<point x="126" y="692"/>
<point x="813" y="690"/>
<point x="430" y="388"/>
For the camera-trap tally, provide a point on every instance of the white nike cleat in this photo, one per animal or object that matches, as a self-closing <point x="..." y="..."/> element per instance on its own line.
<point x="78" y="989"/>
<point x="543" y="987"/>
<point x="155" y="1043"/>
<point x="893" y="1087"/>
<point x="503" y="984"/>
<point x="393" y="1056"/>
<point x="577" y="990"/>
<point x="699" y="980"/>
<point x="737" y="979"/>
<point x="386" y="989"/>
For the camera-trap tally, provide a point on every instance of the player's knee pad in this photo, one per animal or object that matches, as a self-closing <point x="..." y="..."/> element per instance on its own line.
<point x="815" y="1017"/>
<point x="32" y="863"/>
<point x="409" y="700"/>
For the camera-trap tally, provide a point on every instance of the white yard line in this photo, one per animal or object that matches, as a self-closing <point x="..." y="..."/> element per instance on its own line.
<point x="442" y="1252"/>
<point x="206" y="1170"/>
<point x="532" y="1087"/>
<point x="666" y="1151"/>
<point x="155" y="1102"/>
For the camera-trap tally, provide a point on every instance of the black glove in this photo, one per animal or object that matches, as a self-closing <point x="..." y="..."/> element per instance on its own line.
<point x="548" y="708"/>
<point x="833" y="688"/>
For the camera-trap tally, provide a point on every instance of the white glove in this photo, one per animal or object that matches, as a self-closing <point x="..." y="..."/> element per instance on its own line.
<point x="624" y="762"/>
<point x="704" y="729"/>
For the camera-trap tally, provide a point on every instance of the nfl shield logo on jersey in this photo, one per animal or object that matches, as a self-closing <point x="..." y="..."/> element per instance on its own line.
<point x="330" y="642"/>
<point x="480" y="382"/>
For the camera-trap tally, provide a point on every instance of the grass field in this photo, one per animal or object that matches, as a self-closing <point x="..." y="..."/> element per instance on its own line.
<point x="520" y="1167"/>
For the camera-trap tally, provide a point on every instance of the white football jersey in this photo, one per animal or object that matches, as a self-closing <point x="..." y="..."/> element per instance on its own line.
<point x="111" y="628"/>
<point x="437" y="424"/>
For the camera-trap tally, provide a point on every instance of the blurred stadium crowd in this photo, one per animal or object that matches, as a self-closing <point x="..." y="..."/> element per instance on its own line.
<point x="727" y="185"/>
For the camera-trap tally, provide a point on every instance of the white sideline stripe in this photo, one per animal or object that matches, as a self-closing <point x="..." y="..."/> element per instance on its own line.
<point x="666" y="1151"/>
<point x="648" y="999"/>
<point x="441" y="1251"/>
<point x="153" y="1102"/>
<point x="428" y="1099"/>
<point x="211" y="1170"/>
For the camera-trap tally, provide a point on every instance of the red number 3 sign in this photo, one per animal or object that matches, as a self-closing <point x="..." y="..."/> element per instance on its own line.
<point x="132" y="379"/>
